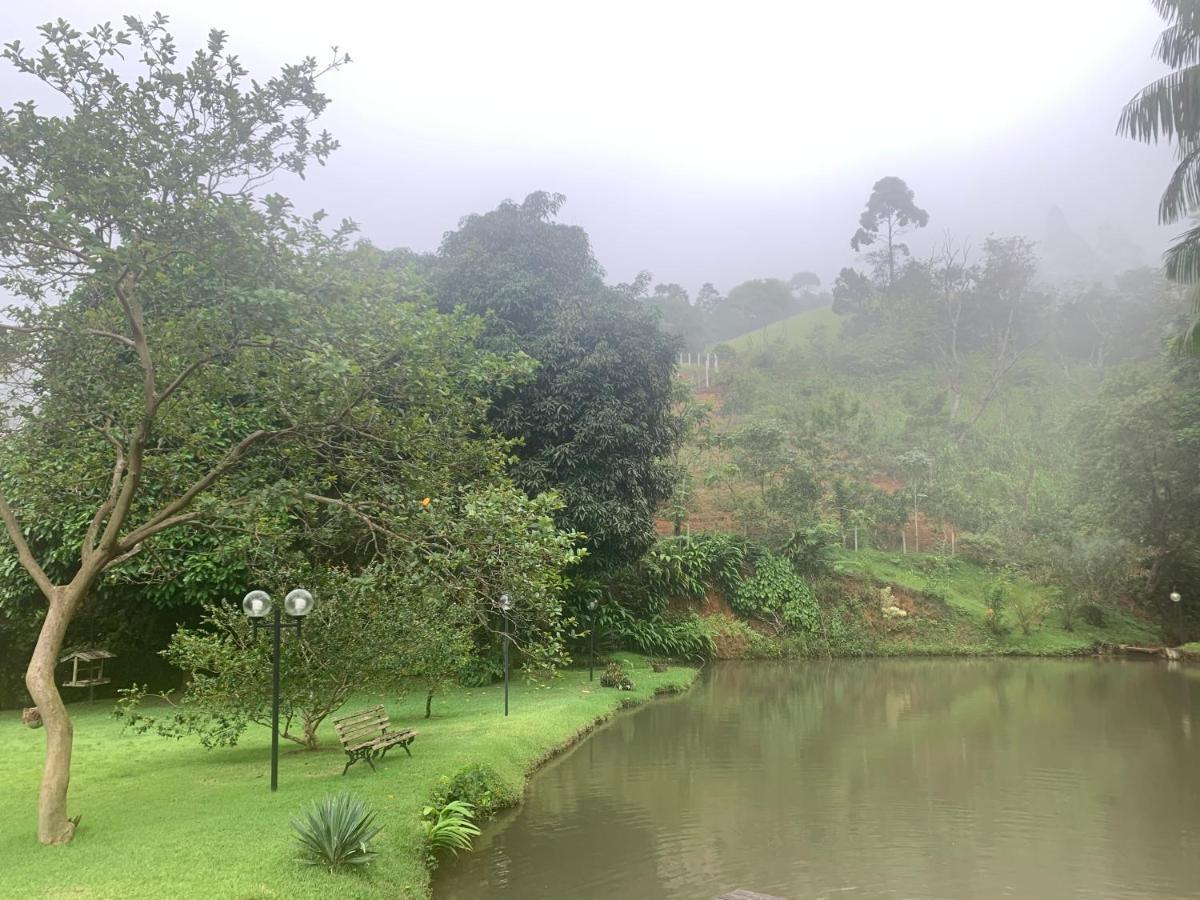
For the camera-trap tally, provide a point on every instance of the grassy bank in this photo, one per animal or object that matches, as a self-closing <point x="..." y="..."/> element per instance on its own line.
<point x="164" y="818"/>
<point x="947" y="601"/>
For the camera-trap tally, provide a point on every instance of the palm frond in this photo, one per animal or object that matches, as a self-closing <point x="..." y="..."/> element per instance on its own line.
<point x="1182" y="259"/>
<point x="1181" y="12"/>
<point x="1179" y="45"/>
<point x="1187" y="342"/>
<point x="1166" y="108"/>
<point x="1181" y="196"/>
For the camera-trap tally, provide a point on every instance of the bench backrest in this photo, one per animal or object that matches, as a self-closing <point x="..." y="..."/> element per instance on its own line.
<point x="360" y="726"/>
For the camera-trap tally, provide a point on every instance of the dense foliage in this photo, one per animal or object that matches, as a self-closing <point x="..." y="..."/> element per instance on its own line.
<point x="595" y="423"/>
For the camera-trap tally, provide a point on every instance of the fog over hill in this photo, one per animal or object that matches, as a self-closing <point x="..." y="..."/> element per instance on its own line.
<point x="705" y="149"/>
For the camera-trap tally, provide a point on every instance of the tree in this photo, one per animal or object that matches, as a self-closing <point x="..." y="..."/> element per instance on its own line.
<point x="891" y="211"/>
<point x="678" y="316"/>
<point x="1138" y="438"/>
<point x="595" y="423"/>
<point x="135" y="210"/>
<point x="417" y="609"/>
<point x="1004" y="306"/>
<point x="1168" y="108"/>
<point x="754" y="304"/>
<point x="708" y="297"/>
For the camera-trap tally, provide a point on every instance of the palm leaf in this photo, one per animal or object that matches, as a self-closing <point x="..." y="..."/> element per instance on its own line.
<point x="1182" y="193"/>
<point x="1167" y="108"/>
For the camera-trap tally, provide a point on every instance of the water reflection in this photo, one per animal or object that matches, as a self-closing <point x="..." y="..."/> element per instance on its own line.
<point x="933" y="778"/>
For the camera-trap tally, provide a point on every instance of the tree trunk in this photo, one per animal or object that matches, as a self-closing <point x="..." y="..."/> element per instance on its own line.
<point x="53" y="825"/>
<point x="429" y="704"/>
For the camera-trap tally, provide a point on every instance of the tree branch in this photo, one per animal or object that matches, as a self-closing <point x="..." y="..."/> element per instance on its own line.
<point x="23" y="552"/>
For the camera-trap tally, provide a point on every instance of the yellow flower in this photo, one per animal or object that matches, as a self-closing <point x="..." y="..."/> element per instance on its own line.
<point x="425" y="502"/>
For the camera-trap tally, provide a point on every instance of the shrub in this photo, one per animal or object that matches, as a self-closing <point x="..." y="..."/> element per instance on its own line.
<point x="337" y="832"/>
<point x="811" y="549"/>
<point x="479" y="786"/>
<point x="777" y="594"/>
<point x="1092" y="614"/>
<point x="997" y="598"/>
<point x="1029" y="609"/>
<point x="615" y="676"/>
<point x="449" y="827"/>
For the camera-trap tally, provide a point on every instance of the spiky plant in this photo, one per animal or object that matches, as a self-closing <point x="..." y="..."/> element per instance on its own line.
<point x="337" y="832"/>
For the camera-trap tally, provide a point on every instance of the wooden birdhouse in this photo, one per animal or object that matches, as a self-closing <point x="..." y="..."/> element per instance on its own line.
<point x="87" y="669"/>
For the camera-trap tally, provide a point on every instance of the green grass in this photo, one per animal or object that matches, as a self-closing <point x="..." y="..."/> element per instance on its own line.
<point x="169" y="819"/>
<point x="792" y="330"/>
<point x="960" y="627"/>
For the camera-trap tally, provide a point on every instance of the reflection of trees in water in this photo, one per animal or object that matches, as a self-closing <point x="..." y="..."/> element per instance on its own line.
<point x="919" y="777"/>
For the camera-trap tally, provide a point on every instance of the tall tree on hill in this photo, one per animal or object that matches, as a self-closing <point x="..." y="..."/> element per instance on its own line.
<point x="595" y="422"/>
<point x="890" y="213"/>
<point x="1169" y="109"/>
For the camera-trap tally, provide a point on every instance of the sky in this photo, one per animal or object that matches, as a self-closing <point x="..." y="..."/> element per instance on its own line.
<point x="702" y="141"/>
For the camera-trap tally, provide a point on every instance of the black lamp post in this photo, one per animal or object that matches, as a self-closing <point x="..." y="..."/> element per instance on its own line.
<point x="1175" y="598"/>
<point x="256" y="605"/>
<point x="505" y="604"/>
<point x="592" y="606"/>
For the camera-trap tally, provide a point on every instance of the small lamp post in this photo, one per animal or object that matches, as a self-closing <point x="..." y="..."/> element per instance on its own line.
<point x="592" y="606"/>
<point x="256" y="605"/>
<point x="1175" y="598"/>
<point x="505" y="605"/>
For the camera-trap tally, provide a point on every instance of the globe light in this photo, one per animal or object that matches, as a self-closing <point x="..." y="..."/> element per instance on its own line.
<point x="505" y="603"/>
<point x="1175" y="596"/>
<point x="256" y="604"/>
<point x="298" y="603"/>
<point x="592" y="604"/>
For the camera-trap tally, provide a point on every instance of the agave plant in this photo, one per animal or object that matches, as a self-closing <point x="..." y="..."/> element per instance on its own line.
<point x="450" y="827"/>
<point x="337" y="832"/>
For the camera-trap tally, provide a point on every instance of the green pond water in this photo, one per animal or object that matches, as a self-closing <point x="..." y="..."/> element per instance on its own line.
<point x="848" y="779"/>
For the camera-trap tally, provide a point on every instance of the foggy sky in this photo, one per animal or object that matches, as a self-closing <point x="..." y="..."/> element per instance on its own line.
<point x="706" y="142"/>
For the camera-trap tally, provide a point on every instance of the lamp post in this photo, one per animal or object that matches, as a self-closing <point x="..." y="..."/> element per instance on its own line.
<point x="1175" y="598"/>
<point x="256" y="605"/>
<point x="592" y="606"/>
<point x="505" y="604"/>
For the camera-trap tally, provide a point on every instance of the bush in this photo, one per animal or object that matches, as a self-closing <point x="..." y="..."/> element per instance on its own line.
<point x="997" y="599"/>
<point x="1029" y="609"/>
<point x="477" y="785"/>
<point x="615" y="676"/>
<point x="336" y="833"/>
<point x="449" y="827"/>
<point x="1092" y="614"/>
<point x="777" y="594"/>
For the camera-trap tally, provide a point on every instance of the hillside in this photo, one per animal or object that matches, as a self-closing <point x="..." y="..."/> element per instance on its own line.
<point x="817" y="433"/>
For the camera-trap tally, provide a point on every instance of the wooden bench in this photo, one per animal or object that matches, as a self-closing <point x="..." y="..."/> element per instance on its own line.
<point x="366" y="735"/>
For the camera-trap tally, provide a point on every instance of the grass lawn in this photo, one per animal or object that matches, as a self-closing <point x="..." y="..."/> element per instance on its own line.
<point x="164" y="818"/>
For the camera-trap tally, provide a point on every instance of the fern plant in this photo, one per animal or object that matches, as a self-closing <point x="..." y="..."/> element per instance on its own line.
<point x="450" y="827"/>
<point x="337" y="832"/>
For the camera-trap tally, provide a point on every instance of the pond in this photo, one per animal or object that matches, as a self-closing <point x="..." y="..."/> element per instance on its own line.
<point x="876" y="778"/>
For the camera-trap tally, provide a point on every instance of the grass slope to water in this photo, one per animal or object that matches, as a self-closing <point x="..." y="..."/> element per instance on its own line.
<point x="959" y="627"/>
<point x="167" y="818"/>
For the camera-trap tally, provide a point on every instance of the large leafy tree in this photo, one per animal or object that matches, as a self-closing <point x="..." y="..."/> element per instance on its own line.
<point x="1169" y="109"/>
<point x="595" y="423"/>
<point x="1139" y="440"/>
<point x="180" y="340"/>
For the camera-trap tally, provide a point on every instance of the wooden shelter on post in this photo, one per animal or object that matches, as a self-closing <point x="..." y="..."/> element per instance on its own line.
<point x="87" y="669"/>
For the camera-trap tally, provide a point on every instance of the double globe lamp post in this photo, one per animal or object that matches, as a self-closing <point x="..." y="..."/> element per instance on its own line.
<point x="257" y="605"/>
